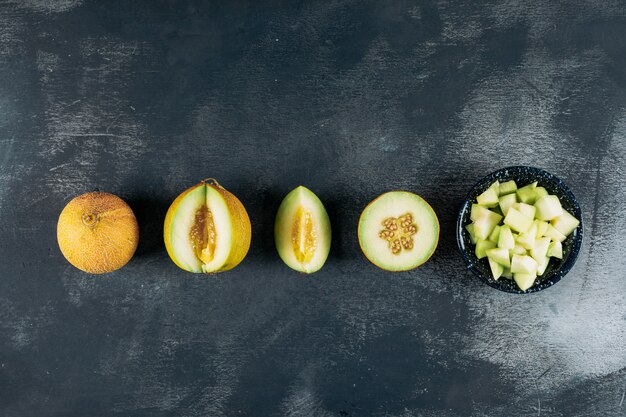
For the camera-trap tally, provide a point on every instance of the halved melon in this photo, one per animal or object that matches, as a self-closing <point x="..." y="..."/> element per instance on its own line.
<point x="398" y="231"/>
<point x="302" y="231"/>
<point x="207" y="229"/>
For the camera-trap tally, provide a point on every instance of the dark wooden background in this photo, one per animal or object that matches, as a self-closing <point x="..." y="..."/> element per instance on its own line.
<point x="351" y="99"/>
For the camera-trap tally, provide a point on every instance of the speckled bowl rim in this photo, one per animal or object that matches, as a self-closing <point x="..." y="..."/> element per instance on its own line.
<point x="550" y="278"/>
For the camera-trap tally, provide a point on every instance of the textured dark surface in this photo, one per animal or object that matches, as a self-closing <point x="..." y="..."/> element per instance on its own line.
<point x="350" y="99"/>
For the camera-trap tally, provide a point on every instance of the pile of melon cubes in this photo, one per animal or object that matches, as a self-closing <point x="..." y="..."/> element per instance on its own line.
<point x="518" y="230"/>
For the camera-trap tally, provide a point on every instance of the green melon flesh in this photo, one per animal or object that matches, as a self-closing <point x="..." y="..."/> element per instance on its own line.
<point x="378" y="245"/>
<point x="482" y="246"/>
<point x="555" y="250"/>
<point x="302" y="231"/>
<point x="548" y="208"/>
<point x="506" y="202"/>
<point x="507" y="188"/>
<point x="506" y="240"/>
<point x="489" y="198"/>
<point x="565" y="223"/>
<point x="500" y="256"/>
<point x="496" y="269"/>
<point x="517" y="221"/>
<point x="527" y="194"/>
<point x="523" y="264"/>
<point x="524" y="281"/>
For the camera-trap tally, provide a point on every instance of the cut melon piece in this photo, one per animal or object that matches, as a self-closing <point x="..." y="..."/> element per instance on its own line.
<point x="541" y="227"/>
<point x="507" y="188"/>
<point x="482" y="246"/>
<point x="506" y="273"/>
<point x="485" y="222"/>
<point x="542" y="265"/>
<point x="477" y="211"/>
<point x="495" y="234"/>
<point x="470" y="231"/>
<point x="506" y="240"/>
<point x="496" y="269"/>
<point x="527" y="239"/>
<point x="398" y="231"/>
<point x="523" y="264"/>
<point x="518" y="250"/>
<point x="526" y="209"/>
<point x="548" y="207"/>
<point x="506" y="202"/>
<point x="207" y="229"/>
<point x="527" y="194"/>
<point x="565" y="223"/>
<point x="554" y="234"/>
<point x="524" y="281"/>
<point x="555" y="250"/>
<point x="540" y="249"/>
<point x="302" y="231"/>
<point x="517" y="221"/>
<point x="489" y="198"/>
<point x="500" y="256"/>
<point x="540" y="192"/>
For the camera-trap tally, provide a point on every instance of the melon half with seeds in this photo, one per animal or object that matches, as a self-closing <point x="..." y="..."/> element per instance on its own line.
<point x="207" y="229"/>
<point x="97" y="232"/>
<point x="398" y="231"/>
<point x="302" y="231"/>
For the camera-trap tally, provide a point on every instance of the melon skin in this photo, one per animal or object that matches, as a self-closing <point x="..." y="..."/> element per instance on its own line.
<point x="97" y="232"/>
<point x="395" y="204"/>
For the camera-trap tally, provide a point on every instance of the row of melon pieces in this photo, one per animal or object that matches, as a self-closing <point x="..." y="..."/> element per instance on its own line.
<point x="518" y="230"/>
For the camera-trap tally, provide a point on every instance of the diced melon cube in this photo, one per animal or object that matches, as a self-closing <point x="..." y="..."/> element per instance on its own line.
<point x="540" y="191"/>
<point x="507" y="187"/>
<point x="548" y="207"/>
<point x="489" y="198"/>
<point x="527" y="239"/>
<point x="540" y="250"/>
<point x="555" y="250"/>
<point x="477" y="209"/>
<point x="541" y="227"/>
<point x="472" y="235"/>
<point x="527" y="194"/>
<point x="486" y="220"/>
<point x="518" y="250"/>
<point x="554" y="234"/>
<point x="496" y="269"/>
<point x="495" y="234"/>
<point x="517" y="221"/>
<point x="526" y="209"/>
<point x="506" y="239"/>
<point x="482" y="246"/>
<point x="505" y="202"/>
<point x="524" y="281"/>
<point x="565" y="223"/>
<point x="500" y="256"/>
<point x="542" y="265"/>
<point x="523" y="264"/>
<point x="507" y="273"/>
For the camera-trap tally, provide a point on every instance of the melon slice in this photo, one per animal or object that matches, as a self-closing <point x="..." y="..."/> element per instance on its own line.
<point x="302" y="231"/>
<point x="207" y="229"/>
<point x="507" y="188"/>
<point x="548" y="208"/>
<point x="565" y="223"/>
<point x="524" y="281"/>
<point x="398" y="231"/>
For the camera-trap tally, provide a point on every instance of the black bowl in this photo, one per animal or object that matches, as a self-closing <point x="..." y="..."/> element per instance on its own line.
<point x="571" y="246"/>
